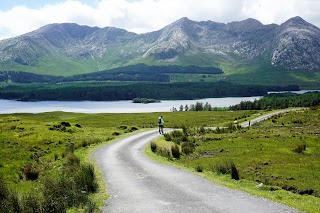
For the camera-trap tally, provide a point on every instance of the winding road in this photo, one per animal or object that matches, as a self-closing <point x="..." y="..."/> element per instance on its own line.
<point x="138" y="184"/>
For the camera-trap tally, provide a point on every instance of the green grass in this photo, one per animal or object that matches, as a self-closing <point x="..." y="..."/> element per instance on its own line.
<point x="264" y="154"/>
<point x="27" y="138"/>
<point x="259" y="72"/>
<point x="41" y="140"/>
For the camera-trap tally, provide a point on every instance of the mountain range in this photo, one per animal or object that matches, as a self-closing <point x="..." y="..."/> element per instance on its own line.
<point x="68" y="49"/>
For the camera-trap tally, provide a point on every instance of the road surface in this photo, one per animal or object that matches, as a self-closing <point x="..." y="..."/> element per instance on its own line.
<point x="264" y="117"/>
<point x="138" y="184"/>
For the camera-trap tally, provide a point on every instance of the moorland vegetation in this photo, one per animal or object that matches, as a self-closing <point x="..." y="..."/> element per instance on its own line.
<point x="44" y="156"/>
<point x="278" y="158"/>
<point x="44" y="164"/>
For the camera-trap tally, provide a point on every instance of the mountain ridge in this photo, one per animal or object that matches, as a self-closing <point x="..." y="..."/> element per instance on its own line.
<point x="69" y="48"/>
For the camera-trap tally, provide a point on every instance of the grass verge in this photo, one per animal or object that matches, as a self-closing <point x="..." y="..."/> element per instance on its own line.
<point x="265" y="156"/>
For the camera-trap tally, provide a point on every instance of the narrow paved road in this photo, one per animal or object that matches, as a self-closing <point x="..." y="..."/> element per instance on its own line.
<point x="264" y="117"/>
<point x="138" y="184"/>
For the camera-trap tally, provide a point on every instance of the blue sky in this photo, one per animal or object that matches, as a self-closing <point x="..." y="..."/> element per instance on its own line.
<point x="21" y="16"/>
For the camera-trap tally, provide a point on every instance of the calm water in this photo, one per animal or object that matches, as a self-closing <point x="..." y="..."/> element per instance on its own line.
<point x="10" y="106"/>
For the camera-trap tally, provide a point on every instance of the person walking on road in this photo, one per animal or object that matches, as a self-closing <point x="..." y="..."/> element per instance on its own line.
<point x="160" y="123"/>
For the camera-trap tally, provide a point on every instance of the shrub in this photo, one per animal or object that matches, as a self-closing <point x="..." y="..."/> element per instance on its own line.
<point x="115" y="133"/>
<point x="167" y="137"/>
<point x="234" y="171"/>
<point x="91" y="207"/>
<point x="175" y="151"/>
<point x="31" y="172"/>
<point x="86" y="179"/>
<point x="14" y="202"/>
<point x="70" y="188"/>
<point x="153" y="146"/>
<point x="300" y="147"/>
<point x="56" y="157"/>
<point x="202" y="130"/>
<point x="84" y="143"/>
<point x="199" y="168"/>
<point x="9" y="201"/>
<point x="73" y="162"/>
<point x="56" y="193"/>
<point x="30" y="203"/>
<point x="66" y="124"/>
<point x="184" y="138"/>
<point x="176" y="134"/>
<point x="221" y="168"/>
<point x="165" y="153"/>
<point x="185" y="130"/>
<point x="227" y="167"/>
<point x="187" y="148"/>
<point x="122" y="127"/>
<point x="4" y="191"/>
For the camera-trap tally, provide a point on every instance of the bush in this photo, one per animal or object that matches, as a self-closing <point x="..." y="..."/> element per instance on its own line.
<point x="199" y="168"/>
<point x="9" y="201"/>
<point x="31" y="172"/>
<point x="300" y="148"/>
<point x="234" y="171"/>
<point x="70" y="188"/>
<point x="184" y="138"/>
<point x="4" y="191"/>
<point x="66" y="124"/>
<point x="31" y="203"/>
<point x="176" y="134"/>
<point x="14" y="202"/>
<point x="187" y="148"/>
<point x="56" y="157"/>
<point x="221" y="168"/>
<point x="165" y="153"/>
<point x="122" y="127"/>
<point x="167" y="137"/>
<point x="57" y="194"/>
<point x="115" y="133"/>
<point x="202" y="130"/>
<point x="185" y="130"/>
<point x="227" y="167"/>
<point x="153" y="147"/>
<point x="86" y="179"/>
<point x="175" y="151"/>
<point x="72" y="161"/>
<point x="91" y="206"/>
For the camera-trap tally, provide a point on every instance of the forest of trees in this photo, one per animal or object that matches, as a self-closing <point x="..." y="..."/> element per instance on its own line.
<point x="138" y="72"/>
<point x="280" y="101"/>
<point x="159" y="91"/>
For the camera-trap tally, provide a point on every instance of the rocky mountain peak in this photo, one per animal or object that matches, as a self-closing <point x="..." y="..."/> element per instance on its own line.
<point x="294" y="44"/>
<point x="245" y="26"/>
<point x="183" y="22"/>
<point x="295" y="21"/>
<point x="297" y="45"/>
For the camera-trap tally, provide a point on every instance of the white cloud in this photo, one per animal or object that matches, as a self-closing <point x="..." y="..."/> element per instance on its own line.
<point x="149" y="15"/>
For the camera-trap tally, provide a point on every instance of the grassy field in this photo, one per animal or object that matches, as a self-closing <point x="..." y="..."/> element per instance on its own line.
<point x="263" y="154"/>
<point x="39" y="143"/>
<point x="278" y="158"/>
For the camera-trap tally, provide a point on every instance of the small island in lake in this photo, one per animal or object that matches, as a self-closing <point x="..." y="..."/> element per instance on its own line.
<point x="145" y="100"/>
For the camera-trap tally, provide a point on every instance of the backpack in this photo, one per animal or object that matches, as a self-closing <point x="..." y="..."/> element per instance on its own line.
<point x="159" y="120"/>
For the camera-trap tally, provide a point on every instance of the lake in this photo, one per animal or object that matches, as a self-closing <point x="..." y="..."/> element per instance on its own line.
<point x="11" y="106"/>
